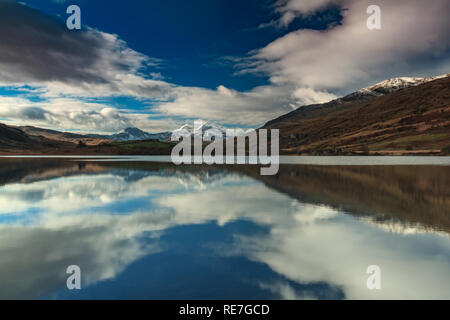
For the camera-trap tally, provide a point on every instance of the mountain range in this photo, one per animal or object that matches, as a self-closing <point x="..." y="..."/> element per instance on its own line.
<point x="35" y="141"/>
<point x="132" y="133"/>
<point x="128" y="134"/>
<point x="396" y="116"/>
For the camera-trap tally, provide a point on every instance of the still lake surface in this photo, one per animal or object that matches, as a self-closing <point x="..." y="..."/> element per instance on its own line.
<point x="140" y="229"/>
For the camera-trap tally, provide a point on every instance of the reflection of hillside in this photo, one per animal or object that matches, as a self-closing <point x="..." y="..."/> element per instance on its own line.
<point x="412" y="194"/>
<point x="29" y="170"/>
<point x="199" y="174"/>
<point x="24" y="170"/>
<point x="408" y="194"/>
<point x="106" y="222"/>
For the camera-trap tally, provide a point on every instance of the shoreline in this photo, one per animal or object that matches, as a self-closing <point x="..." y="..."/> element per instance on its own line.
<point x="283" y="160"/>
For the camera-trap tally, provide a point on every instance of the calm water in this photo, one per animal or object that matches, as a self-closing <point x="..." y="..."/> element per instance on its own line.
<point x="142" y="230"/>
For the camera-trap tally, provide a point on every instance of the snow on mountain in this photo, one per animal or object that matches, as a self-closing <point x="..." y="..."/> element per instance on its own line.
<point x="388" y="86"/>
<point x="207" y="130"/>
<point x="135" y="134"/>
<point x="394" y="84"/>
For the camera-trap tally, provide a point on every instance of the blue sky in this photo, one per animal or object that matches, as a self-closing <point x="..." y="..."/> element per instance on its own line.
<point x="196" y="38"/>
<point x="159" y="64"/>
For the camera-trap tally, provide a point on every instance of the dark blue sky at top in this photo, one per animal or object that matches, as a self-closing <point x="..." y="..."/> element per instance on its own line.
<point x="193" y="37"/>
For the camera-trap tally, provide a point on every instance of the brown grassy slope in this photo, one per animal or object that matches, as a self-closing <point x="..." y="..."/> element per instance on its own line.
<point x="14" y="141"/>
<point x="12" y="138"/>
<point x="61" y="136"/>
<point x="416" y="119"/>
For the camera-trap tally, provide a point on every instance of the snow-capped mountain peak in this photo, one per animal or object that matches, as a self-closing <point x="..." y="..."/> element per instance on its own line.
<point x="135" y="131"/>
<point x="209" y="131"/>
<point x="388" y="86"/>
<point x="203" y="129"/>
<point x="132" y="133"/>
<point x="394" y="84"/>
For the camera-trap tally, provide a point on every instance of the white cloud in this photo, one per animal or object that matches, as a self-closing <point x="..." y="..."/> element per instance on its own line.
<point x="38" y="50"/>
<point x="93" y="64"/>
<point x="414" y="39"/>
<point x="307" y="96"/>
<point x="305" y="67"/>
<point x="83" y="116"/>
<point x="224" y="105"/>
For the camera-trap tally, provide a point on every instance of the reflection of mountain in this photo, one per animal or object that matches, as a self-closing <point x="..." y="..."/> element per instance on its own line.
<point x="121" y="219"/>
<point x="410" y="194"/>
<point x="28" y="170"/>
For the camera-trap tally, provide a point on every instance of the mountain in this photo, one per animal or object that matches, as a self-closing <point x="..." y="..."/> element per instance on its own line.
<point x="130" y="134"/>
<point x="62" y="136"/>
<point x="396" y="116"/>
<point x="13" y="139"/>
<point x="36" y="141"/>
<point x="207" y="131"/>
<point x="392" y="85"/>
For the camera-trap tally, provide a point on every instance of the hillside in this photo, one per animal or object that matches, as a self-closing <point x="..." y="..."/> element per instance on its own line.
<point x="411" y="120"/>
<point x="62" y="136"/>
<point x="134" y="134"/>
<point x="398" y="116"/>
<point x="14" y="141"/>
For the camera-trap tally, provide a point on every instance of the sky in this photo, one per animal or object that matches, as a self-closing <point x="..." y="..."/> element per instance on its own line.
<point x="157" y="65"/>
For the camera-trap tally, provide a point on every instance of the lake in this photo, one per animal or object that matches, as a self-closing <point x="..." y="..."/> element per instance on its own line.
<point x="142" y="228"/>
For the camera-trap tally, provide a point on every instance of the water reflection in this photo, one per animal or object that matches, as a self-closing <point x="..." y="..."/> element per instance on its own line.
<point x="146" y="230"/>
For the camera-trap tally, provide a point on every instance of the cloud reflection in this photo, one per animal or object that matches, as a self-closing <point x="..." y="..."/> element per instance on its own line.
<point x="104" y="222"/>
